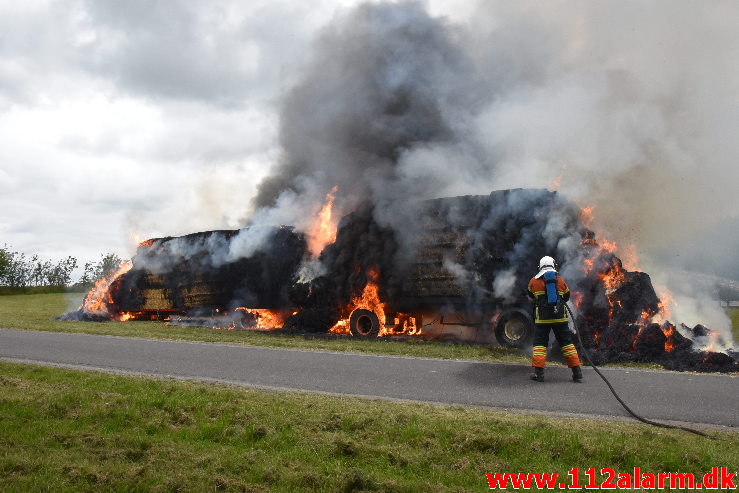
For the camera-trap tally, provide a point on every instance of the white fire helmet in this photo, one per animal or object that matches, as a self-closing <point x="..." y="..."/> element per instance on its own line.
<point x="546" y="262"/>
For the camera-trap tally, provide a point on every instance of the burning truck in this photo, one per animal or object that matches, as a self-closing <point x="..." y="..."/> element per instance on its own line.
<point x="459" y="271"/>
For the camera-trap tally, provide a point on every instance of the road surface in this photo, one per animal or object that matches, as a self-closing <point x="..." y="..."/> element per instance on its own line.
<point x="692" y="398"/>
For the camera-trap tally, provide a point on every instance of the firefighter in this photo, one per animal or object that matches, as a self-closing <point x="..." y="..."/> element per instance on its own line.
<point x="550" y="292"/>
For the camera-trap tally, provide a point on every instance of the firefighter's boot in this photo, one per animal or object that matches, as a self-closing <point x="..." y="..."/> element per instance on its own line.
<point x="577" y="374"/>
<point x="538" y="374"/>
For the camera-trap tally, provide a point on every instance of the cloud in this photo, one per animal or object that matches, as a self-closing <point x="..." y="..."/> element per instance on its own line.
<point x="154" y="118"/>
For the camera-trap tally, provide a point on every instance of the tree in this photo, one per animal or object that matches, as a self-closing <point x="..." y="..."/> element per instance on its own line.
<point x="5" y="258"/>
<point x="61" y="273"/>
<point x="88" y="273"/>
<point x="108" y="263"/>
<point x="18" y="271"/>
<point x="93" y="271"/>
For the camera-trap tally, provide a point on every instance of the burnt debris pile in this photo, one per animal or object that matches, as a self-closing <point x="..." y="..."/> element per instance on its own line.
<point x="622" y="319"/>
<point x="251" y="267"/>
<point x="201" y="274"/>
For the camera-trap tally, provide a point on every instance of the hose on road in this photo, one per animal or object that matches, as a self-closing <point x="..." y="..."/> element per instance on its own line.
<point x="613" y="391"/>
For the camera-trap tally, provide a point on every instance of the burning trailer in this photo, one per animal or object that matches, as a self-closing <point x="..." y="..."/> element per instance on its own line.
<point x="459" y="270"/>
<point x="463" y="272"/>
<point x="203" y="275"/>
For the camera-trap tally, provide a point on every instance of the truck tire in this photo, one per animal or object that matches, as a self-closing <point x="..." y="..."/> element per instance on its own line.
<point x="514" y="329"/>
<point x="364" y="323"/>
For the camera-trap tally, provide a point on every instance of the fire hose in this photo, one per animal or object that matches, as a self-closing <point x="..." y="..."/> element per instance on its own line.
<point x="613" y="391"/>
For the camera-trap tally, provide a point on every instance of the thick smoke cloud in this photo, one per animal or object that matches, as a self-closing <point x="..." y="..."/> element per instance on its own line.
<point x="627" y="108"/>
<point x="384" y="79"/>
<point x="630" y="104"/>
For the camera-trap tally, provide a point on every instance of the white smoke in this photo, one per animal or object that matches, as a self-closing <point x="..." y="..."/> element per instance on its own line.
<point x="692" y="301"/>
<point x="633" y="104"/>
<point x="503" y="285"/>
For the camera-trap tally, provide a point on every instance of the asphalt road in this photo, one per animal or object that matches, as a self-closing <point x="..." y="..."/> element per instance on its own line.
<point x="692" y="398"/>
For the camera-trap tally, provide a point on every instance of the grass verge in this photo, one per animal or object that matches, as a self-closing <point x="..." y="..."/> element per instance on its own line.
<point x="67" y="430"/>
<point x="12" y="290"/>
<point x="39" y="312"/>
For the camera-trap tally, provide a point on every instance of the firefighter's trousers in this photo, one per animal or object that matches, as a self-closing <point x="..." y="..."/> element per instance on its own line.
<point x="564" y="338"/>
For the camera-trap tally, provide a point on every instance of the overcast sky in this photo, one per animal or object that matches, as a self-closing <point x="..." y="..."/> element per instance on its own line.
<point x="139" y="116"/>
<point x="150" y="118"/>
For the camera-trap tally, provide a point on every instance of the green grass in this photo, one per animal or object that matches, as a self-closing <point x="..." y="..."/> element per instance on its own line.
<point x="67" y="430"/>
<point x="38" y="312"/>
<point x="8" y="290"/>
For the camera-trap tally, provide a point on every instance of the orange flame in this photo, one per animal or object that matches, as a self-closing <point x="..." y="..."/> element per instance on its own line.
<point x="100" y="296"/>
<point x="646" y="317"/>
<point x="627" y="253"/>
<point x="607" y="246"/>
<point x="613" y="279"/>
<point x="629" y="257"/>
<point x="137" y="239"/>
<point x="557" y="181"/>
<point x="265" y="319"/>
<point x="577" y="298"/>
<point x="586" y="216"/>
<point x="669" y="330"/>
<point x="142" y="315"/>
<point x="665" y="301"/>
<point x="616" y="276"/>
<point x="370" y="300"/>
<point x="597" y="244"/>
<point x="323" y="231"/>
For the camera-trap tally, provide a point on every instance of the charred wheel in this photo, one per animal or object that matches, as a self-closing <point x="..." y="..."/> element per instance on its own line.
<point x="514" y="329"/>
<point x="364" y="323"/>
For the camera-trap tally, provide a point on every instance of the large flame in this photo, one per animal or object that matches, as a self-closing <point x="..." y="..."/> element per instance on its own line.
<point x="370" y="300"/>
<point x="323" y="231"/>
<point x="669" y="330"/>
<point x="100" y="297"/>
<point x="264" y="319"/>
<point x="626" y="252"/>
<point x="137" y="239"/>
<point x="665" y="302"/>
<point x="615" y="276"/>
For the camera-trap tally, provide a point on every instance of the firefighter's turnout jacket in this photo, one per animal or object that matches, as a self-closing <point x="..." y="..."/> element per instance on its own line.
<point x="545" y="313"/>
<point x="548" y="316"/>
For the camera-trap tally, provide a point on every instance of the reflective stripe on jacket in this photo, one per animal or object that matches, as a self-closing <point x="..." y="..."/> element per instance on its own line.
<point x="543" y="313"/>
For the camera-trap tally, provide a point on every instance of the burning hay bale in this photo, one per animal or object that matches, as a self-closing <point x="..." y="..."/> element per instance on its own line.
<point x="618" y="312"/>
<point x="204" y="270"/>
<point x="213" y="271"/>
